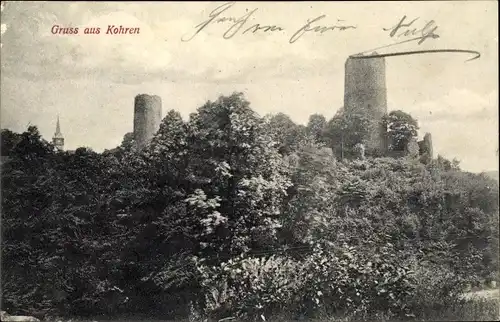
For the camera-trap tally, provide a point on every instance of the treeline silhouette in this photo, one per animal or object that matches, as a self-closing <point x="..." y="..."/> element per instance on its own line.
<point x="229" y="213"/>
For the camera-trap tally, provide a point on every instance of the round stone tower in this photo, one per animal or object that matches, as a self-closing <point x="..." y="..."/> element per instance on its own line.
<point x="147" y="118"/>
<point x="366" y="93"/>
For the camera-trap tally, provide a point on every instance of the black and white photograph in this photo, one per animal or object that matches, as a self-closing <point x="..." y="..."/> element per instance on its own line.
<point x="234" y="161"/>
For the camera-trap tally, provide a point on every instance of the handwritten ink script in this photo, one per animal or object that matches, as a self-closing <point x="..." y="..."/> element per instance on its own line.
<point x="406" y="31"/>
<point x="239" y="25"/>
<point x="309" y="27"/>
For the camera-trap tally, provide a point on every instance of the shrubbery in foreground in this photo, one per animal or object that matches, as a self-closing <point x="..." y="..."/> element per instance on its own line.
<point x="231" y="214"/>
<point x="340" y="279"/>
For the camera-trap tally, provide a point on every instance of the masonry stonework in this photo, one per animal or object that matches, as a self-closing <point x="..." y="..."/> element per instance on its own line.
<point x="147" y="118"/>
<point x="365" y="92"/>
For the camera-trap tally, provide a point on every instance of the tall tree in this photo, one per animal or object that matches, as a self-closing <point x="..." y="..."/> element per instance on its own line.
<point x="238" y="176"/>
<point x="9" y="141"/>
<point x="401" y="128"/>
<point x="316" y="127"/>
<point x="344" y="131"/>
<point x="288" y="135"/>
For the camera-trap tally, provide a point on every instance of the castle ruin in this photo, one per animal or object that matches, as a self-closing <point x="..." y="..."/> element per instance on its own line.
<point x="365" y="93"/>
<point x="425" y="148"/>
<point x="147" y="118"/>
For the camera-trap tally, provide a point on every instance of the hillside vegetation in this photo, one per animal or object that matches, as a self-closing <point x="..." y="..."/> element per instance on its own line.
<point x="230" y="214"/>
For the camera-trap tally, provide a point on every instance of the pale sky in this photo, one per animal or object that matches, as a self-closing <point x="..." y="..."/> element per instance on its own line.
<point x="91" y="80"/>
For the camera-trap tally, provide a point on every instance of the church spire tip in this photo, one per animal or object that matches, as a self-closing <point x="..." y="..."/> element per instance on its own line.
<point x="58" y="126"/>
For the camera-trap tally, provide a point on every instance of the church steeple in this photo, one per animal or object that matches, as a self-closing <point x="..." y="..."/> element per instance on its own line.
<point x="58" y="139"/>
<point x="58" y="127"/>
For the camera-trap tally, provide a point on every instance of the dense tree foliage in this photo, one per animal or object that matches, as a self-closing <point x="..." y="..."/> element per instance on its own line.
<point x="401" y="128"/>
<point x="316" y="127"/>
<point x="229" y="213"/>
<point x="344" y="131"/>
<point x="287" y="135"/>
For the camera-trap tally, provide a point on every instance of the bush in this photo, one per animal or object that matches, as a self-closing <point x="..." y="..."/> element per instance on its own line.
<point x="358" y="281"/>
<point x="250" y="287"/>
<point x="115" y="232"/>
<point x="342" y="280"/>
<point x="436" y="287"/>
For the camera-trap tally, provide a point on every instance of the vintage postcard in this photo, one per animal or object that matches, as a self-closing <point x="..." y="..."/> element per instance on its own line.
<point x="249" y="161"/>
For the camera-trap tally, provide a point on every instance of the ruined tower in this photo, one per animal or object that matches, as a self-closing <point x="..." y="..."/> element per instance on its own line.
<point x="58" y="139"/>
<point x="425" y="148"/>
<point x="147" y="118"/>
<point x="427" y="145"/>
<point x="365" y="93"/>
